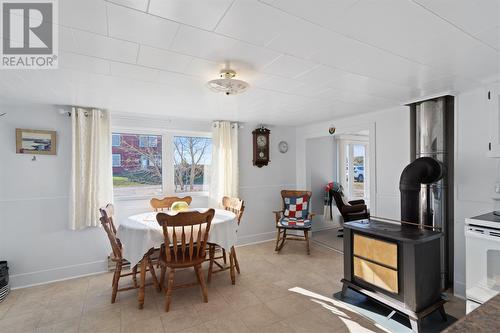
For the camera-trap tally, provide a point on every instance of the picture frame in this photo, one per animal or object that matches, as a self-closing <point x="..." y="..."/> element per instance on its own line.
<point x="36" y="142"/>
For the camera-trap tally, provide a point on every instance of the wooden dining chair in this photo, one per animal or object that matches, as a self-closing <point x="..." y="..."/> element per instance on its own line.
<point x="294" y="215"/>
<point x="237" y="206"/>
<point x="107" y="216"/>
<point x="159" y="205"/>
<point x="185" y="235"/>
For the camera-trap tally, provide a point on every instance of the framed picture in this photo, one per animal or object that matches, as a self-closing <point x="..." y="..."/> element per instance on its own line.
<point x="30" y="141"/>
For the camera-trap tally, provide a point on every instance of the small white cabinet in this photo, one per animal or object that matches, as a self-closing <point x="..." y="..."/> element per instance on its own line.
<point x="493" y="107"/>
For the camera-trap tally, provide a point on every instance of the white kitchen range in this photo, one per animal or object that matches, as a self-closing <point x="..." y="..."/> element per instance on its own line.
<point x="482" y="239"/>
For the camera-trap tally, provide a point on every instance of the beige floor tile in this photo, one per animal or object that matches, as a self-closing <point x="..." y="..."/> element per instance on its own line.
<point x="25" y="322"/>
<point x="240" y="300"/>
<point x="279" y="327"/>
<point x="68" y="326"/>
<point x="60" y="313"/>
<point x="228" y="324"/>
<point x="288" y="306"/>
<point x="108" y="320"/>
<point x="150" y="325"/>
<point x="180" y="318"/>
<point x="258" y="316"/>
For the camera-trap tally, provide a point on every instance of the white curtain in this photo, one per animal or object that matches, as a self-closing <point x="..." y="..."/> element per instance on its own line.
<point x="224" y="168"/>
<point x="91" y="168"/>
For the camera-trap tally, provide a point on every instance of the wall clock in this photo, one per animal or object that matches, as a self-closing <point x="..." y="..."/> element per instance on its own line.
<point x="261" y="147"/>
<point x="283" y="147"/>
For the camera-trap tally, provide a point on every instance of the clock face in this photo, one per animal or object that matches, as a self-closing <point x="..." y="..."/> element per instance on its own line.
<point x="283" y="147"/>
<point x="261" y="141"/>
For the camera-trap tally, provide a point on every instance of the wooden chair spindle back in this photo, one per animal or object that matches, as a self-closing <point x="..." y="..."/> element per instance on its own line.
<point x="159" y="205"/>
<point x="186" y="235"/>
<point x="234" y="205"/>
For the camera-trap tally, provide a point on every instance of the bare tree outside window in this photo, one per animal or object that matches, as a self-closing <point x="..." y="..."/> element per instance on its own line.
<point x="192" y="158"/>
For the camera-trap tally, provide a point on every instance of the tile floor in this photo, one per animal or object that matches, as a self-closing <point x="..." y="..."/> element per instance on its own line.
<point x="260" y="300"/>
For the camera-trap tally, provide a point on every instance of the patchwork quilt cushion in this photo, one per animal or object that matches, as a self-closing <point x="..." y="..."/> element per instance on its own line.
<point x="296" y="207"/>
<point x="296" y="212"/>
<point x="294" y="223"/>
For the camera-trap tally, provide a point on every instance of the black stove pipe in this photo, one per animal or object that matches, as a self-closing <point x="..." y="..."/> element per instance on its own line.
<point x="424" y="170"/>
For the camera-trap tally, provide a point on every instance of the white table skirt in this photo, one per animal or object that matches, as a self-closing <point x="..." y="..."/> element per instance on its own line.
<point x="139" y="233"/>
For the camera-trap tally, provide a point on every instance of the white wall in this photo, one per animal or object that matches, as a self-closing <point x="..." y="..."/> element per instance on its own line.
<point x="389" y="153"/>
<point x="321" y="168"/>
<point x="34" y="236"/>
<point x="260" y="187"/>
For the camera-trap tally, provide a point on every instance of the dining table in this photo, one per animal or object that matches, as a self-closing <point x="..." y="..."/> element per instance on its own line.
<point x="141" y="232"/>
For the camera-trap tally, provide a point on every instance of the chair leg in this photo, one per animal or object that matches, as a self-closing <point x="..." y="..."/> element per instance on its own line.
<point x="211" y="253"/>
<point x="116" y="279"/>
<point x="201" y="280"/>
<point x="224" y="256"/>
<point x="162" y="276"/>
<point x="282" y="240"/>
<point x="306" y="235"/>
<point x="277" y="240"/>
<point x="231" y="268"/>
<point x="134" y="276"/>
<point x="168" y="292"/>
<point x="153" y="274"/>
<point x="236" y="263"/>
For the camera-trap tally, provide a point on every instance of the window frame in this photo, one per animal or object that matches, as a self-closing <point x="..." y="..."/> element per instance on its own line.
<point x="167" y="163"/>
<point x="342" y="142"/>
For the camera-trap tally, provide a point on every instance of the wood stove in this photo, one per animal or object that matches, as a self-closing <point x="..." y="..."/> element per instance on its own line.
<point x="394" y="264"/>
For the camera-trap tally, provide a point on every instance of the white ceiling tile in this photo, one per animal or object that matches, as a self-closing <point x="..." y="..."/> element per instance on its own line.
<point x="240" y="22"/>
<point x="217" y="48"/>
<point x="135" y="26"/>
<point x="88" y="15"/>
<point x="273" y="82"/>
<point x="205" y="69"/>
<point x="473" y="16"/>
<point x="83" y="63"/>
<point x="162" y="59"/>
<point x="203" y="14"/>
<point x="136" y="4"/>
<point x="491" y="37"/>
<point x="134" y="72"/>
<point x="100" y="46"/>
<point x="321" y="12"/>
<point x="289" y="66"/>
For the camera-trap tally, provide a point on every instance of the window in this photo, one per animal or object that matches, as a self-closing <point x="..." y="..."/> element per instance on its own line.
<point x="116" y="140"/>
<point x="143" y="173"/>
<point x="192" y="159"/>
<point x="150" y="141"/>
<point x="353" y="169"/>
<point x="117" y="160"/>
<point x="141" y="169"/>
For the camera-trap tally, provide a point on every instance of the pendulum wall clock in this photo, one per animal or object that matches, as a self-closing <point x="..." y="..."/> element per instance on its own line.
<point x="261" y="147"/>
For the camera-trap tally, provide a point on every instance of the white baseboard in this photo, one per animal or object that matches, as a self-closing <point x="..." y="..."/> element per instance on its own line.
<point x="30" y="279"/>
<point x="256" y="238"/>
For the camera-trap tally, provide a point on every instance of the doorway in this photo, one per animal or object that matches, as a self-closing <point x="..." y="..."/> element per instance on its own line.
<point x="343" y="158"/>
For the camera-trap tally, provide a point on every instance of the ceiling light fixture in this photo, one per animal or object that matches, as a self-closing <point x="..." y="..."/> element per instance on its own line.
<point x="227" y="84"/>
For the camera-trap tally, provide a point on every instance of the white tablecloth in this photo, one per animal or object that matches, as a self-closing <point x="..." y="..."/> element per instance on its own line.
<point x="139" y="233"/>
